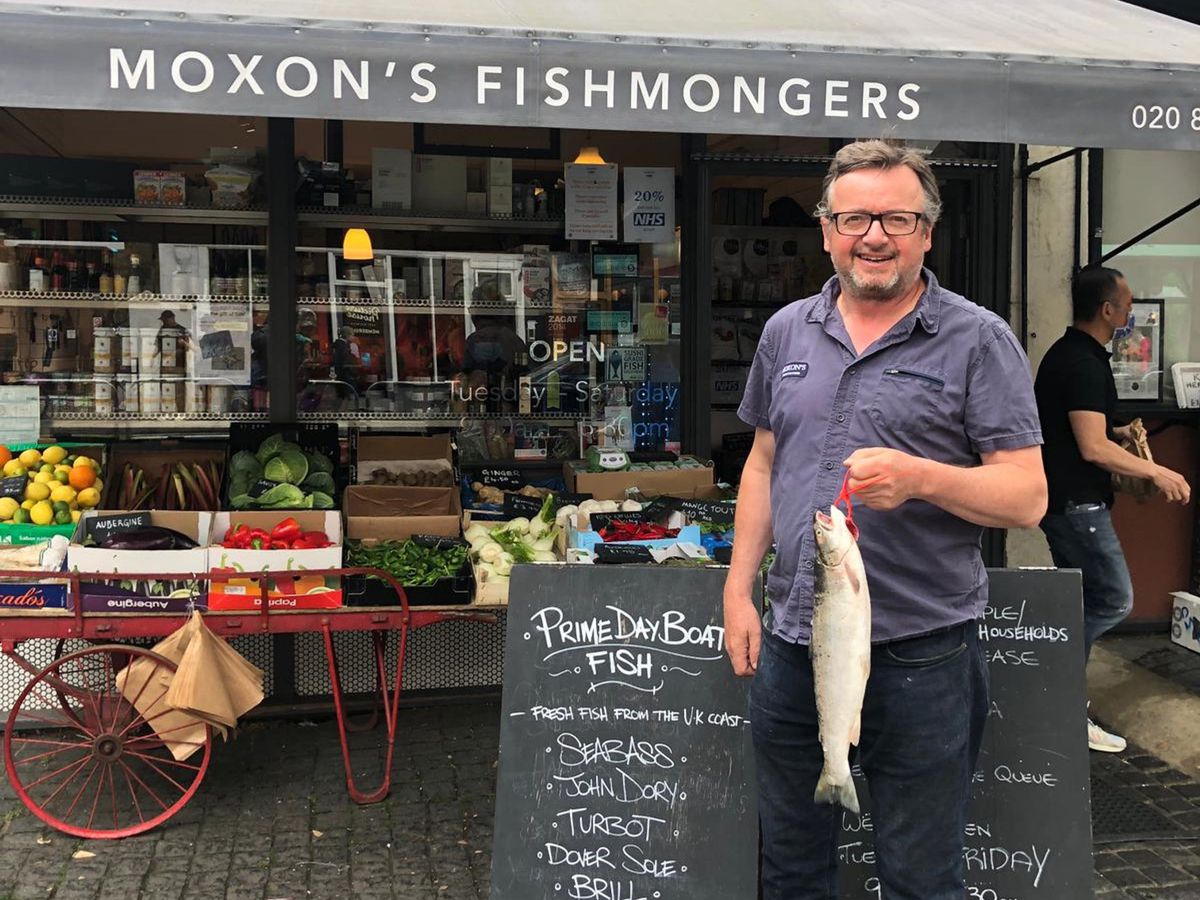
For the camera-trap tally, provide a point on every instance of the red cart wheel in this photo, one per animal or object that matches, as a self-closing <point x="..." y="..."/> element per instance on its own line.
<point x="106" y="769"/>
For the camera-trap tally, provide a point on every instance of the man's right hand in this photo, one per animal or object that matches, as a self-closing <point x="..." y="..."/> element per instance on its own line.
<point x="743" y="634"/>
<point x="1173" y="485"/>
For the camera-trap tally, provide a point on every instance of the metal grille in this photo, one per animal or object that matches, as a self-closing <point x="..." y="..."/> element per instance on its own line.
<point x="449" y="655"/>
<point x="1121" y="814"/>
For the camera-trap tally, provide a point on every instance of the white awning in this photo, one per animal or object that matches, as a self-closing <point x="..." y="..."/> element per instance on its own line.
<point x="1078" y="72"/>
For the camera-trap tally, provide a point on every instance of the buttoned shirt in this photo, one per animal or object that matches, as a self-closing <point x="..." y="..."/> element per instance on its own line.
<point x="948" y="382"/>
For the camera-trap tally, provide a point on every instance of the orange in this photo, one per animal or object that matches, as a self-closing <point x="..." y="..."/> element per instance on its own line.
<point x="82" y="477"/>
<point x="5" y="455"/>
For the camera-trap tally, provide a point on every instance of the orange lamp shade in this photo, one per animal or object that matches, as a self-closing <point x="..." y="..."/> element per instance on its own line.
<point x="590" y="156"/>
<point x="357" y="244"/>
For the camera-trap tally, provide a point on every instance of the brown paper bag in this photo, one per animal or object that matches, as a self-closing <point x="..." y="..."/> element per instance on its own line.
<point x="214" y="682"/>
<point x="1141" y="489"/>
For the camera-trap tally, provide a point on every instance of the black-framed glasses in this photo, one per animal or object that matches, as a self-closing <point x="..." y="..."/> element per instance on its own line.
<point x="855" y="224"/>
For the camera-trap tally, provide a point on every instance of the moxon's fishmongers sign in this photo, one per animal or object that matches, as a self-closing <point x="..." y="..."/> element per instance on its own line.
<point x="422" y="83"/>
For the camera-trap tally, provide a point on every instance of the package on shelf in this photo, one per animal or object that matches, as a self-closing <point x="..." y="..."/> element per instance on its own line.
<point x="159" y="187"/>
<point x="397" y="512"/>
<point x="174" y="595"/>
<point x="33" y="592"/>
<point x="231" y="186"/>
<point x="439" y="184"/>
<point x="681" y="478"/>
<point x="391" y="178"/>
<point x="298" y="591"/>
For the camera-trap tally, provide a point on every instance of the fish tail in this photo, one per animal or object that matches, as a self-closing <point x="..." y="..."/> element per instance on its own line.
<point x="830" y="791"/>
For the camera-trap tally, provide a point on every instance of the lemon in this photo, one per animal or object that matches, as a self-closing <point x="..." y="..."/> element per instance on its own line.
<point x="8" y="506"/>
<point x="43" y="478"/>
<point x="46" y="467"/>
<point x="98" y="484"/>
<point x="83" y="461"/>
<point x="36" y="491"/>
<point x="54" y="455"/>
<point x="75" y="515"/>
<point x="27" y="505"/>
<point x="30" y="458"/>
<point x="88" y="498"/>
<point x="42" y="513"/>
<point x="14" y="467"/>
<point x="63" y="493"/>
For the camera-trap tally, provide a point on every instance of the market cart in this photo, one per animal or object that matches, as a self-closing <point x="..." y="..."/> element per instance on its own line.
<point x="95" y="752"/>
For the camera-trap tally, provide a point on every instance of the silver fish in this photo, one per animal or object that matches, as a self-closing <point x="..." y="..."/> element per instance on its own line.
<point x="840" y="650"/>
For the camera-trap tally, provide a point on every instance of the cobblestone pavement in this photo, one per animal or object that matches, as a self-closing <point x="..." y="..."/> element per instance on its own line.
<point x="272" y="821"/>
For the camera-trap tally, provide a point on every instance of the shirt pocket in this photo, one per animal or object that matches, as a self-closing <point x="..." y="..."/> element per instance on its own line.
<point x="907" y="399"/>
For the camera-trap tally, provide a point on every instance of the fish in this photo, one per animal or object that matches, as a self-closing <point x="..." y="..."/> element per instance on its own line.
<point x="840" y="650"/>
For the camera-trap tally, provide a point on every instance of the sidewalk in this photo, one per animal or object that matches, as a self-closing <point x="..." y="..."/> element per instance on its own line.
<point x="272" y="821"/>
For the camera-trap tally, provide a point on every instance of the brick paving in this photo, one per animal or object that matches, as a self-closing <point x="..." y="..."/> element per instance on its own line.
<point x="272" y="821"/>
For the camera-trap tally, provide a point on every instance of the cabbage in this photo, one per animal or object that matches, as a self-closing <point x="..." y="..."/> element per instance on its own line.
<point x="245" y="463"/>
<point x="282" y="496"/>
<point x="321" y="500"/>
<point x="319" y="462"/>
<point x="289" y="466"/>
<point x="269" y="447"/>
<point x="319" y="481"/>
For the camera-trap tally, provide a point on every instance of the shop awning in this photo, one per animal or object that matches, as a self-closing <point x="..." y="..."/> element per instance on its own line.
<point x="1075" y="72"/>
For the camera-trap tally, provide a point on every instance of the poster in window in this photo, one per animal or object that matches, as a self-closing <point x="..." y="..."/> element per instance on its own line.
<point x="1137" y="356"/>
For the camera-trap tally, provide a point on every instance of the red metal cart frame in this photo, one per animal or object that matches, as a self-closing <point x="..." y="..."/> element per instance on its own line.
<point x="110" y="734"/>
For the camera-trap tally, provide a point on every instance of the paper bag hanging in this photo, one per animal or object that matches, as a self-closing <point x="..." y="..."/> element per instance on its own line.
<point x="1138" y="443"/>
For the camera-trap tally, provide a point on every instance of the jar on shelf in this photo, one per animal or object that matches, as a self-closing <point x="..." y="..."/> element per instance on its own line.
<point x="149" y="360"/>
<point x="127" y="399"/>
<point x="172" y="393"/>
<point x="151" y="396"/>
<point x="103" y="358"/>
<point x="127" y="338"/>
<point x="103" y="394"/>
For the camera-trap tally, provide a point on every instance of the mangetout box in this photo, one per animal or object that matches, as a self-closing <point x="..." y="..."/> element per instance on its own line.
<point x="652" y="482"/>
<point x="1185" y="620"/>
<point x="296" y="591"/>
<point x="394" y="512"/>
<point x="172" y="596"/>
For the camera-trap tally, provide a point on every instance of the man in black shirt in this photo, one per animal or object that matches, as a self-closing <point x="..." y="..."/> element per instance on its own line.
<point x="1077" y="403"/>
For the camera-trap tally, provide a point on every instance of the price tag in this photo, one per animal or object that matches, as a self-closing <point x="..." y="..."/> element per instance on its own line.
<point x="14" y="487"/>
<point x="505" y="479"/>
<point x="99" y="526"/>
<point x="708" y="511"/>
<point x="260" y="487"/>
<point x="603" y="520"/>
<point x="622" y="553"/>
<point x="520" y="505"/>
<point x="437" y="541"/>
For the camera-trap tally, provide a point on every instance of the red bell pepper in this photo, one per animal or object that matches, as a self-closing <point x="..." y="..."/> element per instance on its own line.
<point x="279" y="545"/>
<point x="237" y="537"/>
<point x="259" y="540"/>
<point x="287" y="531"/>
<point x="311" y="540"/>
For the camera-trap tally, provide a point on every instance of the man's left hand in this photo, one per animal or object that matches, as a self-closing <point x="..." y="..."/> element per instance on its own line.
<point x="883" y="479"/>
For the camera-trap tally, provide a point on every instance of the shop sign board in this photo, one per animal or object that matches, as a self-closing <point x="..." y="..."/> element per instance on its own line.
<point x="206" y="64"/>
<point x="649" y="211"/>
<point x="601" y="707"/>
<point x="591" y="213"/>
<point x="625" y="758"/>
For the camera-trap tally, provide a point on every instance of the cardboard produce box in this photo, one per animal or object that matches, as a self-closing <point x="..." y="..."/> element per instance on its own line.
<point x="170" y="596"/>
<point x="651" y="482"/>
<point x="412" y="460"/>
<point x="297" y="592"/>
<point x="397" y="513"/>
<point x="12" y="533"/>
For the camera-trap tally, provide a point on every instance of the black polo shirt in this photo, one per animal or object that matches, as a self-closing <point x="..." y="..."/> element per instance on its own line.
<point x="1074" y="375"/>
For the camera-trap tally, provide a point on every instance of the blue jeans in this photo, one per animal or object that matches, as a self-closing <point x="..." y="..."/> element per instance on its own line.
<point x="922" y="722"/>
<point x="1083" y="538"/>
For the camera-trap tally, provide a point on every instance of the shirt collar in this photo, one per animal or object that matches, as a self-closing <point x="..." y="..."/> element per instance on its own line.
<point x="928" y="310"/>
<point x="1088" y="342"/>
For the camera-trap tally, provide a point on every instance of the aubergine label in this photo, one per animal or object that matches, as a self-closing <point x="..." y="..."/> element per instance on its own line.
<point x="14" y="487"/>
<point x="98" y="526"/>
<point x="626" y="768"/>
<point x="1029" y="825"/>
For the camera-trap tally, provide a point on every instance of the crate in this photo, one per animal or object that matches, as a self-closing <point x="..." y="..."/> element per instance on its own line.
<point x="310" y="438"/>
<point x="363" y="590"/>
<point x="152" y="455"/>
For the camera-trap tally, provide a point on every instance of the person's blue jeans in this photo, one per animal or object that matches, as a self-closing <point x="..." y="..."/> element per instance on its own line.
<point x="922" y="722"/>
<point x="1083" y="538"/>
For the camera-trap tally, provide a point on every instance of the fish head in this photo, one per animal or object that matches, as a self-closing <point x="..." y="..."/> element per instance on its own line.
<point x="835" y="535"/>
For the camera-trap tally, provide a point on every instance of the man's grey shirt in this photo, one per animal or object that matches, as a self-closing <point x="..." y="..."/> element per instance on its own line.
<point x="948" y="382"/>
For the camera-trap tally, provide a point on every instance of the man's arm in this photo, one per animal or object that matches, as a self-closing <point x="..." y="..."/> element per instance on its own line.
<point x="1007" y="491"/>
<point x="752" y="524"/>
<point x="1096" y="448"/>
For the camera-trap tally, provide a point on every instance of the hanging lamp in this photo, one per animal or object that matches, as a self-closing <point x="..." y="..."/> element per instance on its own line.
<point x="589" y="156"/>
<point x="356" y="245"/>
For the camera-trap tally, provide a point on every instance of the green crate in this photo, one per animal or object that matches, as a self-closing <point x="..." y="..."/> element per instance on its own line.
<point x="32" y="534"/>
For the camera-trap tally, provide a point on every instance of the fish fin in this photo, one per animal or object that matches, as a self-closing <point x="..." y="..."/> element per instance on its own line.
<point x="855" y="730"/>
<point x="852" y="577"/>
<point x="829" y="791"/>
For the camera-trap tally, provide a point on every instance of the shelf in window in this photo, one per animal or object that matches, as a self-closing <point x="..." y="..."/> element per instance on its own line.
<point x="122" y="211"/>
<point x="418" y="306"/>
<point x="162" y="422"/>
<point x="84" y="300"/>
<point x="427" y="420"/>
<point x="398" y="220"/>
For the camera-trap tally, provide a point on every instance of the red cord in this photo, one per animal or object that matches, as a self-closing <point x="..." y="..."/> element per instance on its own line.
<point x="845" y="496"/>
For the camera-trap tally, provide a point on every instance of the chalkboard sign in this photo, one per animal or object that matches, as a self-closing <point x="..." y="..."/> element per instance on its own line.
<point x="505" y="479"/>
<point x="621" y="553"/>
<point x="603" y="520"/>
<point x="1029" y="826"/>
<point x="437" y="541"/>
<point x="708" y="511"/>
<point x="14" y="487"/>
<point x="625" y="760"/>
<point x="260" y="487"/>
<point x="520" y="505"/>
<point x="98" y="526"/>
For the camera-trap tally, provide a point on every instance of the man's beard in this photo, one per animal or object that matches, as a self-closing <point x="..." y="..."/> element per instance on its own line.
<point x="891" y="289"/>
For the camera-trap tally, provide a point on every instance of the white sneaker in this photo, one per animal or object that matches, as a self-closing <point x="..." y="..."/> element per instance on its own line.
<point x="1099" y="739"/>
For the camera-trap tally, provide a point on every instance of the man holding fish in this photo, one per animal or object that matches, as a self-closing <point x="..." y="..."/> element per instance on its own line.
<point x="918" y="404"/>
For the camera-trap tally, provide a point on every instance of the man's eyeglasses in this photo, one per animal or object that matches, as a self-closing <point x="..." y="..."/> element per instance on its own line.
<point x="856" y="224"/>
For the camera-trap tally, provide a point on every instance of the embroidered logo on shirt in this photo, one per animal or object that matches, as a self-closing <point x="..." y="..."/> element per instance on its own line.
<point x="794" y="370"/>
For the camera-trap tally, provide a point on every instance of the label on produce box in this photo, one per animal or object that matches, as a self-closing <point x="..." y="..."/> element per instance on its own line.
<point x="505" y="479"/>
<point x="708" y="511"/>
<point x="14" y="487"/>
<point x="520" y="505"/>
<point x="260" y="487"/>
<point x="99" y="526"/>
<point x="603" y="520"/>
<point x="437" y="541"/>
<point x="622" y="553"/>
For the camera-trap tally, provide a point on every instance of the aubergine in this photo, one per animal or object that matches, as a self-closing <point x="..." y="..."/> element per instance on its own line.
<point x="149" y="537"/>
